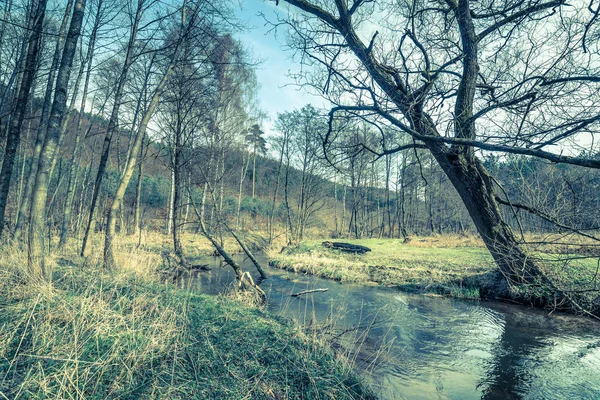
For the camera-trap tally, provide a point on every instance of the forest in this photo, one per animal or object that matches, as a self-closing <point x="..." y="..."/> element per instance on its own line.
<point x="134" y="146"/>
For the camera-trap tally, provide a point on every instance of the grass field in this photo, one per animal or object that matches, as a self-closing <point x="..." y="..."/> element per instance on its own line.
<point x="449" y="265"/>
<point x="459" y="267"/>
<point x="96" y="334"/>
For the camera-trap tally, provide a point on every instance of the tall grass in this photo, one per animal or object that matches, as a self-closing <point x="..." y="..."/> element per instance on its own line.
<point x="96" y="334"/>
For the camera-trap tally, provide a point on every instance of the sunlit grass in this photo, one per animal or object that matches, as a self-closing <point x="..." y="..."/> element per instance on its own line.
<point x="446" y="265"/>
<point x="459" y="266"/>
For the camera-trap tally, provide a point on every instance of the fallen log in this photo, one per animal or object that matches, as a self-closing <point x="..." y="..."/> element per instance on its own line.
<point x="346" y="247"/>
<point x="198" y="267"/>
<point x="173" y="265"/>
<point x="244" y="280"/>
<point x="309" y="291"/>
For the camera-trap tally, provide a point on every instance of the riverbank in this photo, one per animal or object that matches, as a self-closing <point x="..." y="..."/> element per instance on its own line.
<point x="455" y="266"/>
<point x="98" y="334"/>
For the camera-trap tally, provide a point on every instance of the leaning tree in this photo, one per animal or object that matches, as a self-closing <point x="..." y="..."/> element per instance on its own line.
<point x="459" y="77"/>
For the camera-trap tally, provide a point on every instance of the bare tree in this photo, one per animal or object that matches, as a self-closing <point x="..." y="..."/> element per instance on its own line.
<point x="36" y="261"/>
<point x="99" y="20"/>
<point x="175" y="48"/>
<point x="136" y="17"/>
<point x="456" y="76"/>
<point x="38" y="11"/>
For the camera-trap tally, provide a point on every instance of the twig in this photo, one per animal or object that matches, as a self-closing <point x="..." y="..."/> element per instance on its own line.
<point x="309" y="291"/>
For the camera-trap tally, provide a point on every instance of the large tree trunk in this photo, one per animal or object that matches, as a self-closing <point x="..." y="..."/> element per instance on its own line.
<point x="37" y="267"/>
<point x="475" y="187"/>
<point x="14" y="132"/>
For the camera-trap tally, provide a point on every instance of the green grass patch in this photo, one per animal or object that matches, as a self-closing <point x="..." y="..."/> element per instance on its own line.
<point x="449" y="269"/>
<point x="451" y="266"/>
<point x="98" y="335"/>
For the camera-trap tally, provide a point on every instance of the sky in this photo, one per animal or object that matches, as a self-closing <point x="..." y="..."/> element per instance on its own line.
<point x="277" y="92"/>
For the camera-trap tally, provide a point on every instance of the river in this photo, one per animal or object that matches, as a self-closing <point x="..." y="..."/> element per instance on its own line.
<point x="412" y="346"/>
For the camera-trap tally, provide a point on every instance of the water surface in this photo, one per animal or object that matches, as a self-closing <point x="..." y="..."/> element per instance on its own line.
<point x="412" y="346"/>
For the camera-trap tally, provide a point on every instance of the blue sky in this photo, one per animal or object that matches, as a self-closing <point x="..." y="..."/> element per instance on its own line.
<point x="277" y="92"/>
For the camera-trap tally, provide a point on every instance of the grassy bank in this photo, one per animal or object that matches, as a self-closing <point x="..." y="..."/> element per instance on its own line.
<point x="95" y="334"/>
<point x="449" y="265"/>
<point x="460" y="267"/>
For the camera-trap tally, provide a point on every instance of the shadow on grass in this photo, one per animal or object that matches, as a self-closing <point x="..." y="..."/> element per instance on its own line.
<point x="488" y="285"/>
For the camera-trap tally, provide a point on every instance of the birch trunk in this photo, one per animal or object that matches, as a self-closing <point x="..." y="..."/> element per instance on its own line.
<point x="36" y="262"/>
<point x="64" y="229"/>
<point x="16" y="124"/>
<point x="109" y="261"/>
<point x="113" y="122"/>
<point x="41" y="131"/>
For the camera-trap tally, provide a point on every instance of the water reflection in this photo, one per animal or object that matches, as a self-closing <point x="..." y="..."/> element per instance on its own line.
<point x="418" y="347"/>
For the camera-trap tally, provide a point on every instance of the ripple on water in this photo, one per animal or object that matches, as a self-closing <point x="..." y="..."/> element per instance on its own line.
<point x="446" y="348"/>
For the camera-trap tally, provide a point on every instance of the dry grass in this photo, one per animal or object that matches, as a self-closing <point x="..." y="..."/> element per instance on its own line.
<point x="96" y="334"/>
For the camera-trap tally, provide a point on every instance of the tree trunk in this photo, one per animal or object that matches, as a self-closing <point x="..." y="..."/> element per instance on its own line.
<point x="111" y="221"/>
<point x="17" y="70"/>
<point x="64" y="230"/>
<point x="171" y="203"/>
<point x="7" y="10"/>
<point x="83" y="194"/>
<point x="113" y="122"/>
<point x="240" y="193"/>
<point x="177" y="167"/>
<point x="138" y="194"/>
<point x="36" y="262"/>
<point x="475" y="187"/>
<point x="253" y="171"/>
<point x="16" y="124"/>
<point x="274" y="205"/>
<point x="41" y="132"/>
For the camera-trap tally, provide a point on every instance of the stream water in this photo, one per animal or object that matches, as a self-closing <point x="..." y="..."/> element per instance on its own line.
<point x="412" y="346"/>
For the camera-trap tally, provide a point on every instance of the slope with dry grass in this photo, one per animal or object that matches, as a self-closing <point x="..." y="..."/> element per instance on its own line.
<point x="94" y="334"/>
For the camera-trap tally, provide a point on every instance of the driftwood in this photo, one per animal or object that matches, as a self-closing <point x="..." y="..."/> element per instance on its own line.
<point x="245" y="248"/>
<point x="347" y="247"/>
<point x="174" y="270"/>
<point x="174" y="265"/>
<point x="309" y="291"/>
